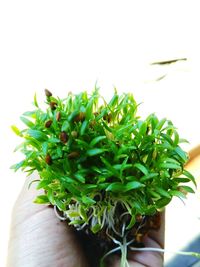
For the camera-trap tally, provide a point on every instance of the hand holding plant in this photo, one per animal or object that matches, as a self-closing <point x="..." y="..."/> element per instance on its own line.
<point x="105" y="171"/>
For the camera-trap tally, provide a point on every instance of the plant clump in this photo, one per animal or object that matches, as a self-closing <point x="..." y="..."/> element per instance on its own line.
<point x="104" y="168"/>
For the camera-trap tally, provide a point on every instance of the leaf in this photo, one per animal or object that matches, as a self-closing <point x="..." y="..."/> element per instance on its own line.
<point x="73" y="214"/>
<point x="35" y="101"/>
<point x="160" y="124"/>
<point x="161" y="203"/>
<point x="96" y="228"/>
<point x="76" y="222"/>
<point x="115" y="187"/>
<point x="65" y="126"/>
<point x="134" y="185"/>
<point x="18" y="165"/>
<point x="181" y="180"/>
<point x="143" y="128"/>
<point x="163" y="192"/>
<point x="79" y="177"/>
<point x="148" y="176"/>
<point x="142" y="168"/>
<point x="88" y="200"/>
<point x="169" y="165"/>
<point x="16" y="130"/>
<point x="53" y="140"/>
<point x="30" y="114"/>
<point x="97" y="140"/>
<point x="83" y="213"/>
<point x="187" y="188"/>
<point x="42" y="199"/>
<point x="38" y="135"/>
<point x="95" y="151"/>
<point x="167" y="138"/>
<point x="181" y="153"/>
<point x="28" y="123"/>
<point x="177" y="193"/>
<point x="83" y="127"/>
<point x="176" y="138"/>
<point x="190" y="176"/>
<point x="131" y="223"/>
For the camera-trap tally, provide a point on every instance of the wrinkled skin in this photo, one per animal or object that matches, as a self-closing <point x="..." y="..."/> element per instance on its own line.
<point x="39" y="238"/>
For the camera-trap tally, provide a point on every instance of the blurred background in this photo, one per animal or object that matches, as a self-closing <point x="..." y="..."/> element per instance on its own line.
<point x="71" y="45"/>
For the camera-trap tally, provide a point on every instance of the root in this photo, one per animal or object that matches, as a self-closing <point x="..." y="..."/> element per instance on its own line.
<point x="58" y="216"/>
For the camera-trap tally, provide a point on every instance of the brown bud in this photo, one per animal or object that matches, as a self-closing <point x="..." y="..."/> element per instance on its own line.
<point x="73" y="155"/>
<point x="64" y="137"/>
<point x="48" y="159"/>
<point x="47" y="93"/>
<point x="53" y="105"/>
<point x="80" y="117"/>
<point x="107" y="117"/>
<point x="58" y="116"/>
<point x="96" y="114"/>
<point x="92" y="123"/>
<point x="74" y="134"/>
<point x="48" y="123"/>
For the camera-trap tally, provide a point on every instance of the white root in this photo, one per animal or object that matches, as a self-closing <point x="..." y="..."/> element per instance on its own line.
<point x="58" y="216"/>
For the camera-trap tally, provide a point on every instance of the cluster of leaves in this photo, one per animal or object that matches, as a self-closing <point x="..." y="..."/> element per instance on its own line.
<point x="93" y="156"/>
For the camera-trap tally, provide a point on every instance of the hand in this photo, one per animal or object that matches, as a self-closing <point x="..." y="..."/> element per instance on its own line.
<point x="39" y="238"/>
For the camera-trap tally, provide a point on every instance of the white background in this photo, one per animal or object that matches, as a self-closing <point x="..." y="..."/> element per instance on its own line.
<point x="70" y="45"/>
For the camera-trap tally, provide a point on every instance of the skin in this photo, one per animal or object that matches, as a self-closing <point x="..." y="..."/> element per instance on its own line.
<point x="39" y="238"/>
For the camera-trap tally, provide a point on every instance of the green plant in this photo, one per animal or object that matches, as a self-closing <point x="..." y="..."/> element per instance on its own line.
<point x="102" y="166"/>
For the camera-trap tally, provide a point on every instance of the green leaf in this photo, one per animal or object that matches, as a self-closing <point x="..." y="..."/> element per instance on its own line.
<point x="181" y="180"/>
<point x="143" y="128"/>
<point x="30" y="114"/>
<point x="190" y="176"/>
<point x="83" y="213"/>
<point x="28" y="123"/>
<point x="18" y="165"/>
<point x="16" y="130"/>
<point x="38" y="135"/>
<point x="95" y="151"/>
<point x="181" y="153"/>
<point x="115" y="187"/>
<point x="163" y="192"/>
<point x="131" y="223"/>
<point x="142" y="168"/>
<point x="177" y="193"/>
<point x="134" y="185"/>
<point x="76" y="222"/>
<point x="35" y="101"/>
<point x="160" y="124"/>
<point x="88" y="201"/>
<point x="80" y="177"/>
<point x="53" y="140"/>
<point x="65" y="126"/>
<point x="176" y="138"/>
<point x="42" y="199"/>
<point x="83" y="127"/>
<point x="161" y="203"/>
<point x="187" y="188"/>
<point x="96" y="228"/>
<point x="168" y="165"/>
<point x="73" y="214"/>
<point x="97" y="140"/>
<point x="148" y="176"/>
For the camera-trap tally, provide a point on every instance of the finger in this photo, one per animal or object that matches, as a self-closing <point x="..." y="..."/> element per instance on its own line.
<point x="38" y="238"/>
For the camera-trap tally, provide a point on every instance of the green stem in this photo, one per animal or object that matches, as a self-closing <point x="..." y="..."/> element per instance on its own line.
<point x="184" y="253"/>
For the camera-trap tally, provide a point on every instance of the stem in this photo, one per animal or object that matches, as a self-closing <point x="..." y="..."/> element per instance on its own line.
<point x="184" y="253"/>
<point x="124" y="262"/>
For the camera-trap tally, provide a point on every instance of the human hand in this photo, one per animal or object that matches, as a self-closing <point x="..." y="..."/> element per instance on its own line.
<point x="39" y="238"/>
